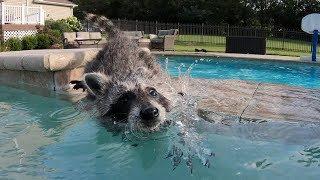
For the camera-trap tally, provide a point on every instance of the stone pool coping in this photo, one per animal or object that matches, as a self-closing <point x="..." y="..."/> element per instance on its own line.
<point x="51" y="60"/>
<point x="50" y="69"/>
<point x="46" y="60"/>
<point x="239" y="56"/>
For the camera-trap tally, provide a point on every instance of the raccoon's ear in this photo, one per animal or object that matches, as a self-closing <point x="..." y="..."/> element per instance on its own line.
<point x="147" y="57"/>
<point x="97" y="83"/>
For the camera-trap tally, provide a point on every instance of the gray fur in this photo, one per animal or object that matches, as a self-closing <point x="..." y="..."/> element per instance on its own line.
<point x="122" y="67"/>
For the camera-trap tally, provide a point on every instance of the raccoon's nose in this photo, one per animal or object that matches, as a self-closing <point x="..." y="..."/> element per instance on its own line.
<point x="149" y="113"/>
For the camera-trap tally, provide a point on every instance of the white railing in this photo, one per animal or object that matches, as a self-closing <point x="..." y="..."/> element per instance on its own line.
<point x="11" y="14"/>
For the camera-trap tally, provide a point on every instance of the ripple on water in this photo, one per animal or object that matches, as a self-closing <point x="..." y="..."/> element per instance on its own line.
<point x="65" y="114"/>
<point x="15" y="119"/>
<point x="61" y="119"/>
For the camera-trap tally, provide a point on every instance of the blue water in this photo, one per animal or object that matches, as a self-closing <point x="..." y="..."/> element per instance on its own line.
<point x="47" y="138"/>
<point x="288" y="73"/>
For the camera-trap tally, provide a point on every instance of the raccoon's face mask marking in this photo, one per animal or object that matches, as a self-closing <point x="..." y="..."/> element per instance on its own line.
<point x="120" y="110"/>
<point x="142" y="107"/>
<point x="149" y="109"/>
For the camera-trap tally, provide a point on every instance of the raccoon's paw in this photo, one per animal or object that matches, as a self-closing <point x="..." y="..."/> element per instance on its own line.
<point x="78" y="85"/>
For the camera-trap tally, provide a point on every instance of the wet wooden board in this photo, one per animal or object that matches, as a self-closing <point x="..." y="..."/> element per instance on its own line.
<point x="257" y="101"/>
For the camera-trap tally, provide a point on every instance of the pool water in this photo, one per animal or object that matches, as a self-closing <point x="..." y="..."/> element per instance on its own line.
<point x="47" y="138"/>
<point x="289" y="73"/>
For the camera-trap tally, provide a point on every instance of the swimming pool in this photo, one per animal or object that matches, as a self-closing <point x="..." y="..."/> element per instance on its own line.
<point x="288" y="73"/>
<point x="46" y="138"/>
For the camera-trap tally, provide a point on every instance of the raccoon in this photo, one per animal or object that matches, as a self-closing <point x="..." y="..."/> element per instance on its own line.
<point x="125" y="83"/>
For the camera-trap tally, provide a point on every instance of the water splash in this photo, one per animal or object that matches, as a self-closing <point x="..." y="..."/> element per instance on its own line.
<point x="186" y="141"/>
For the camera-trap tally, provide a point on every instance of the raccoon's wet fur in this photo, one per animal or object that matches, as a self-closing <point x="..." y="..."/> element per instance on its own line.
<point x="125" y="83"/>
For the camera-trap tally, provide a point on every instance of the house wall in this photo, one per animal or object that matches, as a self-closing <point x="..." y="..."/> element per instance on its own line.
<point x="57" y="12"/>
<point x="54" y="12"/>
<point x="16" y="2"/>
<point x="51" y="12"/>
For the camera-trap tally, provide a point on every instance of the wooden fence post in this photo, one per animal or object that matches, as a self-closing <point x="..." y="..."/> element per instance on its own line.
<point x="283" y="36"/>
<point x="202" y="32"/>
<point x="119" y="23"/>
<point x="136" y="25"/>
<point x="228" y="30"/>
<point x="87" y="25"/>
<point x="179" y="28"/>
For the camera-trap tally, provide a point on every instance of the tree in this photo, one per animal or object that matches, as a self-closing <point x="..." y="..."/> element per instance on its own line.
<point x="266" y="13"/>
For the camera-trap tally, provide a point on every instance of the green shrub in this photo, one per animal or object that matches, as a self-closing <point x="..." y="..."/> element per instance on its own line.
<point x="14" y="44"/>
<point x="44" y="41"/>
<point x="3" y="47"/>
<point x="64" y="25"/>
<point x="73" y="23"/>
<point x="58" y="25"/>
<point x="29" y="42"/>
<point x="55" y="36"/>
<point x="54" y="29"/>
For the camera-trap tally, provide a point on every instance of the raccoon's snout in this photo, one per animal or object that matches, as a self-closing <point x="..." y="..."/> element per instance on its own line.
<point x="149" y="113"/>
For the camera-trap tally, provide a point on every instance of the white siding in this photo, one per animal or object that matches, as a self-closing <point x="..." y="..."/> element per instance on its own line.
<point x="51" y="11"/>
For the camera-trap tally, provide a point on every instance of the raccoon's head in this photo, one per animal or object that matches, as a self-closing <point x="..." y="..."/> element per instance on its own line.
<point x="139" y="104"/>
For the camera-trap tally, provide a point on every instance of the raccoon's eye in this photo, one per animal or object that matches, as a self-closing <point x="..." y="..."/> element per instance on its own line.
<point x="153" y="92"/>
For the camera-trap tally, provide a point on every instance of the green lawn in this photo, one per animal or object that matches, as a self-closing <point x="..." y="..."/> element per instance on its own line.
<point x="217" y="44"/>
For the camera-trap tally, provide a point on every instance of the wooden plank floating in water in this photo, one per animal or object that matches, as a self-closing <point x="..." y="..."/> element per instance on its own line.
<point x="260" y="102"/>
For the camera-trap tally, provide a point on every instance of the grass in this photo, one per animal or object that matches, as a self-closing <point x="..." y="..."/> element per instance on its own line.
<point x="190" y="48"/>
<point x="275" y="46"/>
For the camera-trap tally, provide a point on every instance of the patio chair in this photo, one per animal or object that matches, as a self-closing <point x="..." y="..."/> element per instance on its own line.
<point x="81" y="39"/>
<point x="134" y="35"/>
<point x="138" y="37"/>
<point x="164" y="40"/>
<point x="69" y="40"/>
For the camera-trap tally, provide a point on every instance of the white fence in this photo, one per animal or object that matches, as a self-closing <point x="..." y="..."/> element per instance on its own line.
<point x="11" y="14"/>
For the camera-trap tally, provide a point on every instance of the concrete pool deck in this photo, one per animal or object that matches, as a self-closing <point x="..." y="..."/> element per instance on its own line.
<point x="303" y="59"/>
<point x="54" y="69"/>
